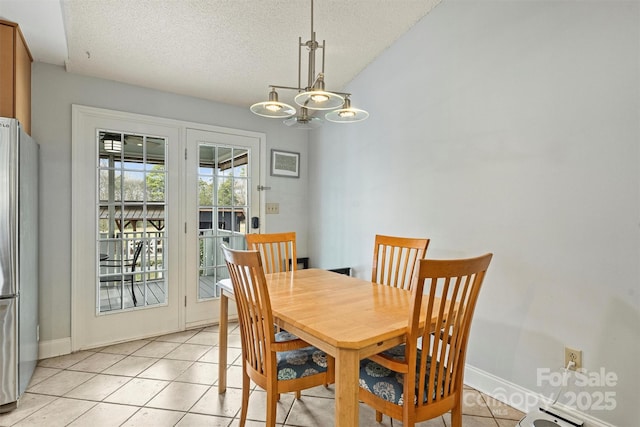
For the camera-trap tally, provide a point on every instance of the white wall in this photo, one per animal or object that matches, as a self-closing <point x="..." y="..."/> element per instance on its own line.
<point x="509" y="127"/>
<point x="53" y="92"/>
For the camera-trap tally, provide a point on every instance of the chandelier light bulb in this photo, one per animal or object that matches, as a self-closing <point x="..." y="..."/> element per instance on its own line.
<point x="273" y="107"/>
<point x="347" y="113"/>
<point x="319" y="98"/>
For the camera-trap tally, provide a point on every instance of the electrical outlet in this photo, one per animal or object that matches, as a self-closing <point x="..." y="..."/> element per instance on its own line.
<point x="273" y="208"/>
<point x="573" y="355"/>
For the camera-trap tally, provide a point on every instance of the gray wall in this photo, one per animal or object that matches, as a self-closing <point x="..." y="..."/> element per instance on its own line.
<point x="53" y="93"/>
<point x="509" y="127"/>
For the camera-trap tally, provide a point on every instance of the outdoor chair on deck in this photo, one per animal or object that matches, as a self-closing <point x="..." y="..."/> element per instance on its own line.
<point x="128" y="267"/>
<point x="423" y="378"/>
<point x="277" y="362"/>
<point x="395" y="260"/>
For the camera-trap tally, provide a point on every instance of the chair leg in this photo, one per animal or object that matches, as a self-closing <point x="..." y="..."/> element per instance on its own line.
<point x="271" y="408"/>
<point x="298" y="394"/>
<point x="378" y="416"/>
<point x="245" y="397"/>
<point x="456" y="416"/>
<point x="133" y="293"/>
<point x="331" y="371"/>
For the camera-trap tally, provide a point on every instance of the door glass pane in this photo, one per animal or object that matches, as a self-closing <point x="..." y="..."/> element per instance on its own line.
<point x="131" y="221"/>
<point x="222" y="212"/>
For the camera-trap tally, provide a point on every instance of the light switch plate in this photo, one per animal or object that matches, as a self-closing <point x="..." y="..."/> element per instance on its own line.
<point x="273" y="208"/>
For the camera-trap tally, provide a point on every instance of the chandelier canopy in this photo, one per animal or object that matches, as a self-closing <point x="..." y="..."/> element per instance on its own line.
<point x="310" y="99"/>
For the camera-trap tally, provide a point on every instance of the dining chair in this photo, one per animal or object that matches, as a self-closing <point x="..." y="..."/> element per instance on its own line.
<point x="276" y="362"/>
<point x="395" y="259"/>
<point x="423" y="378"/>
<point x="278" y="250"/>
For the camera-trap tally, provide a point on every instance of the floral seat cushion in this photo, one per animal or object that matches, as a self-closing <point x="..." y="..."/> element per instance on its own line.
<point x="299" y="363"/>
<point x="385" y="383"/>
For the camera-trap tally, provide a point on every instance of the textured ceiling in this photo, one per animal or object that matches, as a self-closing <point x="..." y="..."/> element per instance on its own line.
<point x="225" y="50"/>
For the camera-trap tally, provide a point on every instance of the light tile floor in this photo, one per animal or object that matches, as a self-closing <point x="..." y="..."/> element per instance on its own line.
<point x="171" y="380"/>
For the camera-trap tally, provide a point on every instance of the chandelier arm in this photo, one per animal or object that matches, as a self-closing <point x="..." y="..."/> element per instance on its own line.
<point x="340" y="93"/>
<point x="301" y="89"/>
<point x="286" y="87"/>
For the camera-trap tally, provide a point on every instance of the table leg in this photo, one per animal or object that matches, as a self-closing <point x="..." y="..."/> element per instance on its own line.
<point x="347" y="385"/>
<point x="222" y="343"/>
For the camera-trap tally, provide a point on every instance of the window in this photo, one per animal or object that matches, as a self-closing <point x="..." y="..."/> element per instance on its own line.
<point x="131" y="222"/>
<point x="223" y="207"/>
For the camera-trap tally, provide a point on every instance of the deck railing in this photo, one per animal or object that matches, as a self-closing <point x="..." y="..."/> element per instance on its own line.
<point x="152" y="252"/>
<point x="150" y="265"/>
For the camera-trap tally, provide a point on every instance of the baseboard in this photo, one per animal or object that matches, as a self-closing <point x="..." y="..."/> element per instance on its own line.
<point x="519" y="397"/>
<point x="53" y="348"/>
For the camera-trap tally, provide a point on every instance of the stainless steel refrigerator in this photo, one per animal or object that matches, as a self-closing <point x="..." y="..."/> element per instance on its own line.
<point x="19" y="327"/>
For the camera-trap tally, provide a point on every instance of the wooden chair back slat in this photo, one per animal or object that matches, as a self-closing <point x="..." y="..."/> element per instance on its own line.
<point x="278" y="250"/>
<point x="395" y="260"/>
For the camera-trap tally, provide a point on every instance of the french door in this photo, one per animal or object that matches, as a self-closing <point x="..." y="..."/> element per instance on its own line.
<point x="222" y="199"/>
<point x="152" y="200"/>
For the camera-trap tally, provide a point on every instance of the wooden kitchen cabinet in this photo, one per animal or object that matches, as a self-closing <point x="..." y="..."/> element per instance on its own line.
<point x="15" y="75"/>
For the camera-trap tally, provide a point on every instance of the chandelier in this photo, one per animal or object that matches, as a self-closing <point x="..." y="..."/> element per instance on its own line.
<point x="310" y="99"/>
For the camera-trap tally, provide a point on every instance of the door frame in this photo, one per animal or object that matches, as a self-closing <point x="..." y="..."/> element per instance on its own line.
<point x="79" y="271"/>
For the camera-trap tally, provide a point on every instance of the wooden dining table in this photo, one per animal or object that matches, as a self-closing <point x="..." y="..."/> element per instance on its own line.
<point x="348" y="318"/>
